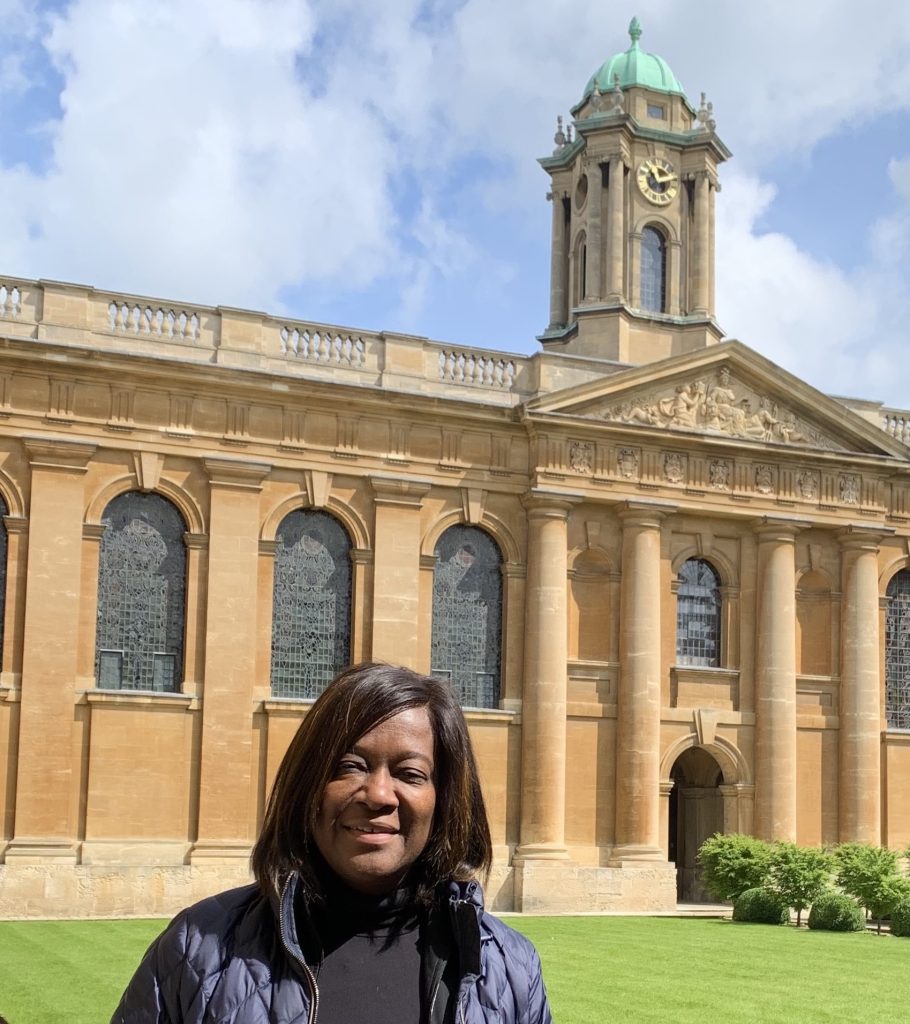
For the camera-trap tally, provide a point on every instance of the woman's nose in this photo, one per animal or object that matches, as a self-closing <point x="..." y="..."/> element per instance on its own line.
<point x="379" y="789"/>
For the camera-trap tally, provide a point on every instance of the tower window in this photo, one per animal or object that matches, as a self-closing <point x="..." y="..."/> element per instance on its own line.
<point x="653" y="270"/>
<point x="655" y="110"/>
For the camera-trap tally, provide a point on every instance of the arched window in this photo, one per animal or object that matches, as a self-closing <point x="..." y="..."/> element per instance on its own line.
<point x="467" y="615"/>
<point x="897" y="651"/>
<point x="698" y="615"/>
<point x="580" y="269"/>
<point x="311" y="606"/>
<point x="141" y="595"/>
<point x="653" y="270"/>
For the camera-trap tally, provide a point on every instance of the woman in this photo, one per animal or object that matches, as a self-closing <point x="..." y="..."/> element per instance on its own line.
<point x="365" y="903"/>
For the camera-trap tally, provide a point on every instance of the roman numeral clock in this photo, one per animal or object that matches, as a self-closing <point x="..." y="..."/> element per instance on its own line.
<point x="658" y="180"/>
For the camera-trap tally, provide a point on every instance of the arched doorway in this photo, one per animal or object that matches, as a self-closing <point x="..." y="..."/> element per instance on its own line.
<point x="696" y="812"/>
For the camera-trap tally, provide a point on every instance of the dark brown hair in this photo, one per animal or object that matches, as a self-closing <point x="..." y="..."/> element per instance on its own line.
<point x="354" y="703"/>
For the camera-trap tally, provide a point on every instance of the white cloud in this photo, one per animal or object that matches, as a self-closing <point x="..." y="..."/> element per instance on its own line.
<point x="236" y="150"/>
<point x="843" y="331"/>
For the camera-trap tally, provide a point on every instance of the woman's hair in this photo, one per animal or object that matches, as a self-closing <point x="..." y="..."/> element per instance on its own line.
<point x="354" y="703"/>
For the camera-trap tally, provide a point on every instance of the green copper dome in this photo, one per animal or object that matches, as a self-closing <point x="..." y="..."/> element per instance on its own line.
<point x="635" y="67"/>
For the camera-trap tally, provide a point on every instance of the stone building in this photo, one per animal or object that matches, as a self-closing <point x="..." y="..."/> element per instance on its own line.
<point x="670" y="582"/>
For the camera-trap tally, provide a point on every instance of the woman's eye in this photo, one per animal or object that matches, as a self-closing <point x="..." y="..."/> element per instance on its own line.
<point x="348" y="767"/>
<point x="412" y="777"/>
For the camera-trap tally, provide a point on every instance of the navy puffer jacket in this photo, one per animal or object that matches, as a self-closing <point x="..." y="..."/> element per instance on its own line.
<point x="228" y="959"/>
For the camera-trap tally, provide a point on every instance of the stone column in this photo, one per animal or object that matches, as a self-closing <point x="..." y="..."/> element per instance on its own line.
<point x="543" y="707"/>
<point x="701" y="243"/>
<point x="559" y="264"/>
<point x="616" y="245"/>
<point x="46" y="798"/>
<point x="712" y="261"/>
<point x="775" y="682"/>
<point x="396" y="570"/>
<point x="638" y="819"/>
<point x="593" y="285"/>
<point x="634" y="254"/>
<point x="226" y="782"/>
<point x="859" y="769"/>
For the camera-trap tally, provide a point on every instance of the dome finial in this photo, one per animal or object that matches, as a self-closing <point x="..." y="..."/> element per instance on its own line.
<point x="635" y="31"/>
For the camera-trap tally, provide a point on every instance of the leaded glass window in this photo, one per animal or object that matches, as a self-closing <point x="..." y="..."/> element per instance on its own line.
<point x="698" y="615"/>
<point x="467" y="615"/>
<point x="653" y="270"/>
<point x="897" y="651"/>
<point x="311" y="608"/>
<point x="141" y="595"/>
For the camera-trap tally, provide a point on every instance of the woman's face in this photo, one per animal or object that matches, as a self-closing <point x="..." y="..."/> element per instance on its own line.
<point x="377" y="809"/>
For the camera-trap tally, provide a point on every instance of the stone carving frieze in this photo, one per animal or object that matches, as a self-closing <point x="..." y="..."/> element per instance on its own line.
<point x="719" y="404"/>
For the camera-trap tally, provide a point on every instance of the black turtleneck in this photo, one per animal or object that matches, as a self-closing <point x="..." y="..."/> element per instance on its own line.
<point x="365" y="952"/>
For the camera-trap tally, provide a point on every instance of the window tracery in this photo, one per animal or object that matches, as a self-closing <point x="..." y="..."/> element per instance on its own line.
<point x="466" y="645"/>
<point x="311" y="607"/>
<point x="141" y="595"/>
<point x="698" y="615"/>
<point x="897" y="651"/>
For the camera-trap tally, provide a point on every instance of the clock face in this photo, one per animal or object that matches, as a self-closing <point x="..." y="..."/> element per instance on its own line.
<point x="658" y="180"/>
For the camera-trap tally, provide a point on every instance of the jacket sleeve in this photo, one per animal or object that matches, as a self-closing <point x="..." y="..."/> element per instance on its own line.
<point x="157" y="992"/>
<point x="538" y="1004"/>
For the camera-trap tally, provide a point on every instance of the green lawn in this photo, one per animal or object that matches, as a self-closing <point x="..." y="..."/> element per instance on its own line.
<point x="599" y="970"/>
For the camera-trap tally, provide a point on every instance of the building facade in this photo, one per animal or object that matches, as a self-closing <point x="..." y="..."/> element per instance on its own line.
<point x="669" y="581"/>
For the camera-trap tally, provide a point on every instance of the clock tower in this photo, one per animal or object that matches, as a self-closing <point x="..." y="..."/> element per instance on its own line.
<point x="633" y="180"/>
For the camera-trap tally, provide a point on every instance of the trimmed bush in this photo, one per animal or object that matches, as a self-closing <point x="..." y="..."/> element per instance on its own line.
<point x="834" y="911"/>
<point x="732" y="864"/>
<point x="760" y="906"/>
<point x="799" y="874"/>
<point x="900" y="919"/>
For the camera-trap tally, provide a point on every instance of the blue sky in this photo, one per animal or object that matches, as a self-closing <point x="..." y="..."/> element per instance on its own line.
<point x="374" y="164"/>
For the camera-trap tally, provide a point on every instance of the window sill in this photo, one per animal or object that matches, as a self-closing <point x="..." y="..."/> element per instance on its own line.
<point x="133" y="698"/>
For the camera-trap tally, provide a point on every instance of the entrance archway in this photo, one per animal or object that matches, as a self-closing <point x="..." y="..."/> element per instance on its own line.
<point x="696" y="812"/>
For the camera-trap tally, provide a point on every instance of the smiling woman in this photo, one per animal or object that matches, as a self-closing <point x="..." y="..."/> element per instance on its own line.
<point x="366" y="898"/>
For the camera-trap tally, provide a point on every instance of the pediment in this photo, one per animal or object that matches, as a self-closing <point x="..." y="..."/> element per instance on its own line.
<point x="728" y="392"/>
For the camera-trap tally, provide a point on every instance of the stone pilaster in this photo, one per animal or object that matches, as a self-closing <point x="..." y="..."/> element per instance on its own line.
<point x="638" y="818"/>
<point x="46" y="789"/>
<point x="775" y="681"/>
<point x="593" y="285"/>
<point x="226" y="784"/>
<point x="859" y="751"/>
<point x="396" y="570"/>
<point x="559" y="263"/>
<point x="616" y="244"/>
<point x="543" y="707"/>
<point x="701" y="248"/>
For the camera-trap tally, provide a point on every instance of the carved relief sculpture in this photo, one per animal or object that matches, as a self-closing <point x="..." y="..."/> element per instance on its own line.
<point x="807" y="484"/>
<point x="674" y="469"/>
<point x="627" y="460"/>
<point x="764" y="479"/>
<point x="849" y="489"/>
<point x="719" y="474"/>
<point x="723" y="406"/>
<point x="581" y="457"/>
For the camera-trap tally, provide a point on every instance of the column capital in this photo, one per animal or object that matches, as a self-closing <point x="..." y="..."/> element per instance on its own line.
<point x="783" y="531"/>
<point x="857" y="537"/>
<point x="54" y="453"/>
<point x="238" y="474"/>
<point x="403" y="493"/>
<point x="645" y="513"/>
<point x="549" y="505"/>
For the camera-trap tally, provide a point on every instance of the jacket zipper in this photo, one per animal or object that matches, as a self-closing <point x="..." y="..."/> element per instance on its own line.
<point x="307" y="971"/>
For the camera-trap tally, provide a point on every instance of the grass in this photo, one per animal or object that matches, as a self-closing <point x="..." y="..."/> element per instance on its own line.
<point x="628" y="970"/>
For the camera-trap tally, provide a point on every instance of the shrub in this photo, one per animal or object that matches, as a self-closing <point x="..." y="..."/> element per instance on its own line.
<point x="732" y="864"/>
<point x="834" y="911"/>
<point x="760" y="906"/>
<point x="900" y="919"/>
<point x="798" y="874"/>
<point x="870" y="874"/>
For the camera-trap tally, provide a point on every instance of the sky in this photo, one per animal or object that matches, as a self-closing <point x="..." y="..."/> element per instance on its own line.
<point x="373" y="163"/>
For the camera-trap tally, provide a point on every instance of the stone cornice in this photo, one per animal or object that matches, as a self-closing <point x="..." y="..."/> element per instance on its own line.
<point x="236" y="473"/>
<point x="56" y="453"/>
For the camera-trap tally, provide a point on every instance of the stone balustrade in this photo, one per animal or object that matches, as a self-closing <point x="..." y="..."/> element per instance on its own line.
<point x="75" y="315"/>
